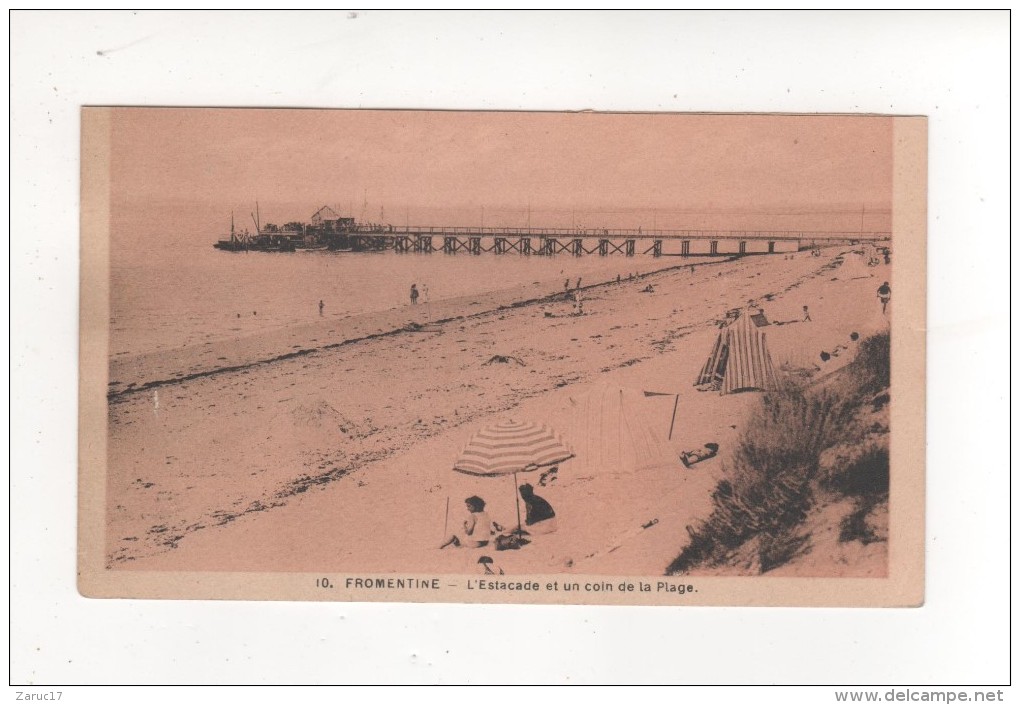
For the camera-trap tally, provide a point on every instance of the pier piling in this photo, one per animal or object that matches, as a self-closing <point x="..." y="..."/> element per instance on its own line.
<point x="328" y="230"/>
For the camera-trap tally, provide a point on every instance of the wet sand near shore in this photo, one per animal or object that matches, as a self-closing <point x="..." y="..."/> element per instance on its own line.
<point x="257" y="339"/>
<point x="333" y="455"/>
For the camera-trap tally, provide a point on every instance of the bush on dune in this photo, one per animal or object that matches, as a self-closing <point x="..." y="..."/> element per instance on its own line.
<point x="873" y="364"/>
<point x="866" y="480"/>
<point x="774" y="468"/>
<point x="866" y="476"/>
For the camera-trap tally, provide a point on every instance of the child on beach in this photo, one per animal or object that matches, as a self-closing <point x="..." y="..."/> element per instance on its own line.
<point x="477" y="528"/>
<point x="414" y="294"/>
<point x="489" y="567"/>
<point x="578" y="304"/>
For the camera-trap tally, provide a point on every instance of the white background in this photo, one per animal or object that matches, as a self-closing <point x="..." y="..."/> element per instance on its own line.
<point x="952" y="67"/>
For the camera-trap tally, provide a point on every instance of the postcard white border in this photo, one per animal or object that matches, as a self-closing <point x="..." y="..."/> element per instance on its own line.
<point x="952" y="67"/>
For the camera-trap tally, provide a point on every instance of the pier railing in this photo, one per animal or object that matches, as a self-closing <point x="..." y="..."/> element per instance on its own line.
<point x="639" y="233"/>
<point x="551" y="241"/>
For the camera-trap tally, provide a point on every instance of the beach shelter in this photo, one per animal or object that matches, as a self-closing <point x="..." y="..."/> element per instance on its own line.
<point x="855" y="264"/>
<point x="511" y="447"/>
<point x="618" y="430"/>
<point x="739" y="360"/>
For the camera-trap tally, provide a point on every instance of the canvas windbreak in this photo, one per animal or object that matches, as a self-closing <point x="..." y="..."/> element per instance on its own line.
<point x="620" y="430"/>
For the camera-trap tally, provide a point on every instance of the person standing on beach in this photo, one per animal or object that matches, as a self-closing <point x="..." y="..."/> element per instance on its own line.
<point x="566" y="285"/>
<point x="414" y="294"/>
<point x="578" y="283"/>
<point x="807" y="316"/>
<point x="578" y="304"/>
<point x="884" y="295"/>
<point x="321" y="306"/>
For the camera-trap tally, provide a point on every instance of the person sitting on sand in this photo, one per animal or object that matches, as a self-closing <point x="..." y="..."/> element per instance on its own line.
<point x="692" y="457"/>
<point x="477" y="529"/>
<point x="539" y="517"/>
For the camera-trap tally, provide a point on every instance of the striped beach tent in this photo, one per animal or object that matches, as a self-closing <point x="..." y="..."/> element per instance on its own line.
<point x="740" y="359"/>
<point x="510" y="447"/>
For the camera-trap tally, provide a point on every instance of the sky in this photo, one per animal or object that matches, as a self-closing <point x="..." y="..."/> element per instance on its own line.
<point x="608" y="170"/>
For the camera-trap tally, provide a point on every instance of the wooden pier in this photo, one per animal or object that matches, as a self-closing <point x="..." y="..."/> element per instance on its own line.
<point x="603" y="242"/>
<point x="328" y="229"/>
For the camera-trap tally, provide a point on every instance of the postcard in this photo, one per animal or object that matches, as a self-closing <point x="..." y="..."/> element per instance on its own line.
<point x="512" y="357"/>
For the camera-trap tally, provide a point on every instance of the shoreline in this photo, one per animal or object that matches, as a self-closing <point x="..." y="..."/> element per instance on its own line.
<point x="282" y="343"/>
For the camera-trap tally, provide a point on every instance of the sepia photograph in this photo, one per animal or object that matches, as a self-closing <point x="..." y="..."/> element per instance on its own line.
<point x="360" y="347"/>
<point x="383" y="347"/>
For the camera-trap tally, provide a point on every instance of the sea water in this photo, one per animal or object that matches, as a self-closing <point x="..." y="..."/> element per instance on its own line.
<point x="193" y="293"/>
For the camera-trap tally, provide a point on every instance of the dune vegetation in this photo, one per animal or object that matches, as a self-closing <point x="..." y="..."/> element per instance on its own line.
<point x="809" y="445"/>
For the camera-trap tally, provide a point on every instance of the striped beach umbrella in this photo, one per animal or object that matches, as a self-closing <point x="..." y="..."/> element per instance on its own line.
<point x="510" y="447"/>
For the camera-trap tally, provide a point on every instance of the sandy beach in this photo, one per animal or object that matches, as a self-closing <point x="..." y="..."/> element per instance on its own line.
<point x="328" y="446"/>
